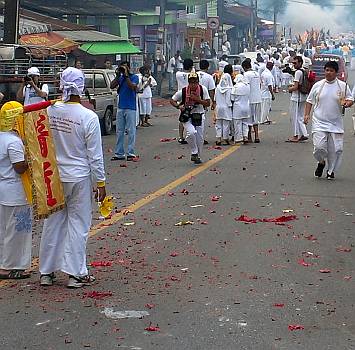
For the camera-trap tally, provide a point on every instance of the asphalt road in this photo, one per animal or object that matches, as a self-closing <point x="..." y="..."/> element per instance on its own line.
<point x="215" y="284"/>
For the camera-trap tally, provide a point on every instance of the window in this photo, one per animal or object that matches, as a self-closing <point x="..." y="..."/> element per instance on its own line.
<point x="89" y="81"/>
<point x="100" y="81"/>
<point x="190" y="9"/>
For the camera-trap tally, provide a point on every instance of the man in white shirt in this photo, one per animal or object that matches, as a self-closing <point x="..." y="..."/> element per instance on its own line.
<point x="31" y="90"/>
<point x="329" y="98"/>
<point x="255" y="100"/>
<point x="192" y="101"/>
<point x="15" y="213"/>
<point x="222" y="63"/>
<point x="297" y="103"/>
<point x="77" y="139"/>
<point x="182" y="81"/>
<point x="207" y="80"/>
<point x="267" y="93"/>
<point x="171" y="70"/>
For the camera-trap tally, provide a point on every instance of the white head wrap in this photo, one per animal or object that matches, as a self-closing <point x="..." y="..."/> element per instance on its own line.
<point x="225" y="83"/>
<point x="33" y="71"/>
<point x="72" y="82"/>
<point x="241" y="86"/>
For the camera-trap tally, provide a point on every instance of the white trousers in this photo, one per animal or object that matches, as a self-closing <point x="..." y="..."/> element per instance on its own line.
<point x="328" y="146"/>
<point x="65" y="233"/>
<point x="297" y="118"/>
<point x="265" y="110"/>
<point x="145" y="105"/>
<point x="255" y="113"/>
<point x="241" y="129"/>
<point x="15" y="237"/>
<point x="222" y="128"/>
<point x="195" y="136"/>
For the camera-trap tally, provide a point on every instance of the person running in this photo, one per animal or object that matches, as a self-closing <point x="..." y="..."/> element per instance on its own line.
<point x="15" y="213"/>
<point x="267" y="93"/>
<point x="182" y="82"/>
<point x="254" y="100"/>
<point x="329" y="98"/>
<point x="77" y="139"/>
<point x="224" y="106"/>
<point x="297" y="104"/>
<point x="192" y="101"/>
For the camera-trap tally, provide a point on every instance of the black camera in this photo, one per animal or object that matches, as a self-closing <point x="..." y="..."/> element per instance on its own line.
<point x="185" y="114"/>
<point x="27" y="78"/>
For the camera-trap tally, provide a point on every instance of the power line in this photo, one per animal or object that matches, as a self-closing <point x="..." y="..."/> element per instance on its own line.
<point x="352" y="3"/>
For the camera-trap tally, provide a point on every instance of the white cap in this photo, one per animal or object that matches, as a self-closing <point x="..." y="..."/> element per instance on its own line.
<point x="33" y="71"/>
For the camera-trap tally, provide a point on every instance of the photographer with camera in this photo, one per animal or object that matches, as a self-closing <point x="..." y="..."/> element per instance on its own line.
<point x="127" y="86"/>
<point x="192" y="101"/>
<point x="31" y="90"/>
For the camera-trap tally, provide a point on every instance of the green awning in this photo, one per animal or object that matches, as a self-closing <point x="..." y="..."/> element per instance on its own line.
<point x="109" y="48"/>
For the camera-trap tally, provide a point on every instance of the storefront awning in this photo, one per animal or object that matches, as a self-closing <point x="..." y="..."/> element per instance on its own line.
<point x="109" y="48"/>
<point x="49" y="40"/>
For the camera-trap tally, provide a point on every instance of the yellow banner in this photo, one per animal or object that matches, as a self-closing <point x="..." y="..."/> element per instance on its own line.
<point x="47" y="189"/>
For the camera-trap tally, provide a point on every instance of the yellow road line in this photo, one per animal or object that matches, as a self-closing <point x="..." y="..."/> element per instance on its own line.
<point x="150" y="197"/>
<point x="144" y="201"/>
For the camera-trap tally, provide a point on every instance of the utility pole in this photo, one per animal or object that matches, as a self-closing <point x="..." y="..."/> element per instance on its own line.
<point x="275" y="22"/>
<point x="252" y="26"/>
<point x="162" y="24"/>
<point x="11" y="21"/>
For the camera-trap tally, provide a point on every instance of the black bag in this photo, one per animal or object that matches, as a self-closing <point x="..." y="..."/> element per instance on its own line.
<point x="196" y="119"/>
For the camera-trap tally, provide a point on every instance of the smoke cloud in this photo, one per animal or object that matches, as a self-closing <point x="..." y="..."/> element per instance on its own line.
<point x="305" y="16"/>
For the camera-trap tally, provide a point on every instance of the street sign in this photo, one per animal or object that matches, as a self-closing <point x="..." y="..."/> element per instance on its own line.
<point x="213" y="22"/>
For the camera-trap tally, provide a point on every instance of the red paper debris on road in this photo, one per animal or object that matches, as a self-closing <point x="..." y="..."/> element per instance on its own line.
<point x="295" y="327"/>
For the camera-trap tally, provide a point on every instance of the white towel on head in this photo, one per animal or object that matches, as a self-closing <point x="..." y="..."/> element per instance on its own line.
<point x="72" y="82"/>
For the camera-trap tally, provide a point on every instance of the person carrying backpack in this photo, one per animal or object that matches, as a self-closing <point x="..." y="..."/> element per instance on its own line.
<point x="299" y="91"/>
<point x="192" y="101"/>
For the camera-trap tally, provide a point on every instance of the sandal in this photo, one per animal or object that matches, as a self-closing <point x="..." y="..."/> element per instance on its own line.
<point x="292" y="140"/>
<point x="218" y="143"/>
<point x="257" y="141"/>
<point x="15" y="275"/>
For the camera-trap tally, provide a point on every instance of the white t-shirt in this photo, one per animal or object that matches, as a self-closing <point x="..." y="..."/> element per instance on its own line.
<point x="147" y="90"/>
<point x="30" y="95"/>
<point x="206" y="80"/>
<point x="238" y="68"/>
<point x="267" y="79"/>
<point x="171" y="65"/>
<point x="182" y="79"/>
<point x="221" y="65"/>
<point x="179" y="63"/>
<point x="325" y="97"/>
<point x="254" y="82"/>
<point x="77" y="138"/>
<point x="11" y="151"/>
<point x="199" y="108"/>
<point x="296" y="95"/>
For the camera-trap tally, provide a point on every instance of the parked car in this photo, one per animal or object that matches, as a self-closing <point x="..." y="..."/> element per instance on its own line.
<point x="319" y="60"/>
<point x="100" y="98"/>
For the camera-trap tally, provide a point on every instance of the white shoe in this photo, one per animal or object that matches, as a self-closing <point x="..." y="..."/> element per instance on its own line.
<point x="80" y="281"/>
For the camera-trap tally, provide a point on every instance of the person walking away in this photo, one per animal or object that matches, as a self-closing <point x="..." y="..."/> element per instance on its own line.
<point x="182" y="82"/>
<point x="207" y="80"/>
<point x="224" y="107"/>
<point x="241" y="109"/>
<point x="254" y="100"/>
<point x="192" y="101"/>
<point x="15" y="213"/>
<point x="146" y="82"/>
<point x="31" y="90"/>
<point x="329" y="98"/>
<point x="127" y="84"/>
<point x="297" y="103"/>
<point x="267" y="93"/>
<point x="78" y="144"/>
